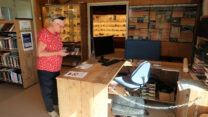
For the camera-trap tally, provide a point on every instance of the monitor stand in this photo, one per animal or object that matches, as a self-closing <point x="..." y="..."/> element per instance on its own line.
<point x="102" y="59"/>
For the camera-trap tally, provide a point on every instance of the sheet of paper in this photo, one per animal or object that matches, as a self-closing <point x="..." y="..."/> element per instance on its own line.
<point x="84" y="66"/>
<point x="76" y="74"/>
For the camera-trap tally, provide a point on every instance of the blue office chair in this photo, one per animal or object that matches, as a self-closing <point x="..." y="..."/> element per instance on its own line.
<point x="137" y="79"/>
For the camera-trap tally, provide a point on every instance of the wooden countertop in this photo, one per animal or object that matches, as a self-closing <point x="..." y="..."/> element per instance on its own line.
<point x="104" y="74"/>
<point x="172" y="66"/>
<point x="96" y="74"/>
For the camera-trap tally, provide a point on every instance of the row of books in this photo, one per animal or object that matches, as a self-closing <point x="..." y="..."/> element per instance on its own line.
<point x="8" y="43"/>
<point x="9" y="59"/>
<point x="7" y="27"/>
<point x="198" y="68"/>
<point x="148" y="91"/>
<point x="11" y="75"/>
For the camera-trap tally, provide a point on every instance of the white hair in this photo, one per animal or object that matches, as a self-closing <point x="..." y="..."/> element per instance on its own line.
<point x="58" y="21"/>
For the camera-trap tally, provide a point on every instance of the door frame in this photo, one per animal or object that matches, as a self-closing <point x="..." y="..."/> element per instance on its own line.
<point x="89" y="5"/>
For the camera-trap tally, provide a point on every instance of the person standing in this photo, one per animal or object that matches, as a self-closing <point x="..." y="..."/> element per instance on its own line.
<point x="49" y="59"/>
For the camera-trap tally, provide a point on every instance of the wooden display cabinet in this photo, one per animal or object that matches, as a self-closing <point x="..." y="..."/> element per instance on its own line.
<point x="109" y="25"/>
<point x="18" y="53"/>
<point x="74" y="35"/>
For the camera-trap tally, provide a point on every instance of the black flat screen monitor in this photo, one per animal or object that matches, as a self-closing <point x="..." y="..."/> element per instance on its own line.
<point x="103" y="46"/>
<point x="142" y="49"/>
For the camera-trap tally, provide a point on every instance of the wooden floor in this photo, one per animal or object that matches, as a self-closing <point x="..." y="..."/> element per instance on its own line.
<point x="18" y="102"/>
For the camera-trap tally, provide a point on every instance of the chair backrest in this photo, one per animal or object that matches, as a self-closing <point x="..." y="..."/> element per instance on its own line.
<point x="141" y="73"/>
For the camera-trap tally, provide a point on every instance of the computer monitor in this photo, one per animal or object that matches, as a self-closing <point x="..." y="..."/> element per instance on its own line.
<point x="142" y="49"/>
<point x="103" y="46"/>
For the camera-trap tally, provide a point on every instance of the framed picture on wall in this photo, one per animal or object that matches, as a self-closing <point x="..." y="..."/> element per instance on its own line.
<point x="27" y="42"/>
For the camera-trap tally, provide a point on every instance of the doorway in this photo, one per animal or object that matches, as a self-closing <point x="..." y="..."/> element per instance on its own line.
<point x="108" y="19"/>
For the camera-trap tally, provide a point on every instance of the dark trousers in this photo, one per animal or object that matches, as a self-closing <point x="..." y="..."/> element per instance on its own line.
<point x="48" y="88"/>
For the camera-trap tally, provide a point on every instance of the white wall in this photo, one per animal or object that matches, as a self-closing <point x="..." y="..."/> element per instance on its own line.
<point x="23" y="9"/>
<point x="8" y="3"/>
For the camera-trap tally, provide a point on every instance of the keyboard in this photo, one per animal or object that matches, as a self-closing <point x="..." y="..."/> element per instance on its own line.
<point x="111" y="62"/>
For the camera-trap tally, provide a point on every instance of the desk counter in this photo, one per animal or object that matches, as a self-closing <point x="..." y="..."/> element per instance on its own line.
<point x="172" y="66"/>
<point x="86" y="97"/>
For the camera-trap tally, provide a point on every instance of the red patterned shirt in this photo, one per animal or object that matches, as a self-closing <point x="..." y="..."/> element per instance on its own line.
<point x="53" y="43"/>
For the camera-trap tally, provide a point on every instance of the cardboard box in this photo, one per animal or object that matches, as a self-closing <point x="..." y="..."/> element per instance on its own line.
<point x="166" y="96"/>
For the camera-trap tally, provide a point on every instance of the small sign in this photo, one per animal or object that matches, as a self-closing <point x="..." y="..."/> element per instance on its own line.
<point x="76" y="74"/>
<point x="25" y="25"/>
<point x="27" y="40"/>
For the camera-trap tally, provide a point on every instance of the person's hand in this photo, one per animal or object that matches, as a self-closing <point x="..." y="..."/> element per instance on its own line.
<point x="63" y="53"/>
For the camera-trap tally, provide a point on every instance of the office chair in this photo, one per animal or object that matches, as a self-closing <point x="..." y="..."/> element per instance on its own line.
<point x="137" y="79"/>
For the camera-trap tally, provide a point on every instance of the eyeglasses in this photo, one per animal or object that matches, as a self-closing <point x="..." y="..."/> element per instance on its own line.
<point x="61" y="18"/>
<point x="60" y="25"/>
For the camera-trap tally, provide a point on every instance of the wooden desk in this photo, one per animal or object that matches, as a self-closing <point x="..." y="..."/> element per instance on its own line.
<point x="166" y="65"/>
<point x="86" y="97"/>
<point x="162" y="72"/>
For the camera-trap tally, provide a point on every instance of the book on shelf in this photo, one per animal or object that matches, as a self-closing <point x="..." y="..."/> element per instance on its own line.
<point x="11" y="75"/>
<point x="149" y="91"/>
<point x="199" y="62"/>
<point x="206" y="74"/>
<point x="8" y="43"/>
<point x="9" y="59"/>
<point x="197" y="69"/>
<point x="206" y="68"/>
<point x="7" y="27"/>
<point x="148" y="97"/>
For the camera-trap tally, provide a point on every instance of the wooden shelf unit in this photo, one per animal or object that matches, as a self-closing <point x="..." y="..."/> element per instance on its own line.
<point x="27" y="59"/>
<point x="175" y="33"/>
<point x="199" y="64"/>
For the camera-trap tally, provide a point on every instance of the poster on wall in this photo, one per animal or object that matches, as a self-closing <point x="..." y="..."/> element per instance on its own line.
<point x="27" y="40"/>
<point x="25" y="25"/>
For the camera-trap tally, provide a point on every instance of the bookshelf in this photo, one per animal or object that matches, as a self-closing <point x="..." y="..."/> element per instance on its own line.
<point x="173" y="25"/>
<point x="17" y="53"/>
<point x="74" y="35"/>
<point x="200" y="63"/>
